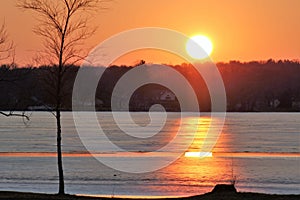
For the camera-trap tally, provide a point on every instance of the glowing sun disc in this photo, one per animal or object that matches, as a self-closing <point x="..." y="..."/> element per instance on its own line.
<point x="199" y="47"/>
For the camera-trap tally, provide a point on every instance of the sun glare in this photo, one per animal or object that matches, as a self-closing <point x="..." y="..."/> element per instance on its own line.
<point x="198" y="154"/>
<point x="199" y="47"/>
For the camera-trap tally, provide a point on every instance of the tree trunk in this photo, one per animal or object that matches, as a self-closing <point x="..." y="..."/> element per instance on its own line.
<point x="59" y="155"/>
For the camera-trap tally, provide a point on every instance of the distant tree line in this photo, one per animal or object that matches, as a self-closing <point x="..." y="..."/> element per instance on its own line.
<point x="262" y="86"/>
<point x="250" y="86"/>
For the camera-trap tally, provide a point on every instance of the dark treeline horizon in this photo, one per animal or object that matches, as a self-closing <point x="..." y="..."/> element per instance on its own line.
<point x="14" y="65"/>
<point x="250" y="86"/>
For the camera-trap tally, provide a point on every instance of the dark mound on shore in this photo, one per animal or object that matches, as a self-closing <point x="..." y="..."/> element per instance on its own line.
<point x="229" y="192"/>
<point x="220" y="192"/>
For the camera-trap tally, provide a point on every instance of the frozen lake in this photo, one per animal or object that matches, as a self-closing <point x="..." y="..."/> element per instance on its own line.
<point x="260" y="149"/>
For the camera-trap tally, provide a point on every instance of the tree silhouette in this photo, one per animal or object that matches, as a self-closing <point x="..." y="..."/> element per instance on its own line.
<point x="6" y="46"/>
<point x="63" y="25"/>
<point x="7" y="51"/>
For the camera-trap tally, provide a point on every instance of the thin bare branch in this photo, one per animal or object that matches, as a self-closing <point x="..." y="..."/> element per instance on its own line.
<point x="6" y="46"/>
<point x="12" y="114"/>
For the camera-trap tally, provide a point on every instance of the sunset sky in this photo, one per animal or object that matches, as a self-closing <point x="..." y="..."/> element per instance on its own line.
<point x="251" y="30"/>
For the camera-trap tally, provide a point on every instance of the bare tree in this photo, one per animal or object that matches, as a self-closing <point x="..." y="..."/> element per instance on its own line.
<point x="63" y="25"/>
<point x="6" y="46"/>
<point x="7" y="51"/>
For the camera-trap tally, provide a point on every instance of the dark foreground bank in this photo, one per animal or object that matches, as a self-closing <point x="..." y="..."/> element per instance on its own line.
<point x="220" y="192"/>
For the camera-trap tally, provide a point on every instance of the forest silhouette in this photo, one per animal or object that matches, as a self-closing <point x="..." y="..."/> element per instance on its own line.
<point x="250" y="86"/>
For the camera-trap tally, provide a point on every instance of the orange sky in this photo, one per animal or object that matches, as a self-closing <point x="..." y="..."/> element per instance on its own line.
<point x="251" y="30"/>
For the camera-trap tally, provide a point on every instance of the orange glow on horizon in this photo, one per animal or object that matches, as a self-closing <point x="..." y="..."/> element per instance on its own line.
<point x="154" y="56"/>
<point x="253" y="30"/>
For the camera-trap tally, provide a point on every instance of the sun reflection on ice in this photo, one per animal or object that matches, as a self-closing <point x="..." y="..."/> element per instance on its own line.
<point x="198" y="154"/>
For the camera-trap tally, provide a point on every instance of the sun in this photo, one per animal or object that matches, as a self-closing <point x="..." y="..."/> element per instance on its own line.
<point x="199" y="47"/>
